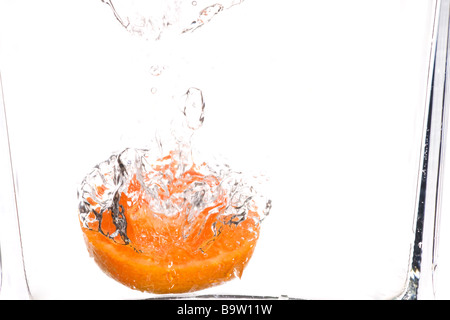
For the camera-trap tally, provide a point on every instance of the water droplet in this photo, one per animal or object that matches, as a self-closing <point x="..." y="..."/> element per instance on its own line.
<point x="194" y="3"/>
<point x="205" y="16"/>
<point x="194" y="108"/>
<point x="154" y="90"/>
<point x="157" y="70"/>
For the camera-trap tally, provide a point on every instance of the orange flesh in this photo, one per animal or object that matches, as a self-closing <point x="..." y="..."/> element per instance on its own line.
<point x="159" y="259"/>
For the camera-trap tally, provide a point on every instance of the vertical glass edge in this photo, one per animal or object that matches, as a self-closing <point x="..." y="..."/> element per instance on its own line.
<point x="13" y="280"/>
<point x="419" y="283"/>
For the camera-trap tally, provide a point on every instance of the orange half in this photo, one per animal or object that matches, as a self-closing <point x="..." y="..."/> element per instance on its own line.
<point x="159" y="259"/>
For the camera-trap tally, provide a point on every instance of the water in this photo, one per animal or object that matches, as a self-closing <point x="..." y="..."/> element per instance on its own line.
<point x="159" y="26"/>
<point x="169" y="186"/>
<point x="153" y="19"/>
<point x="169" y="163"/>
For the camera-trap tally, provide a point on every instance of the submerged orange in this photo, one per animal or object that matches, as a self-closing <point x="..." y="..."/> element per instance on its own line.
<point x="159" y="256"/>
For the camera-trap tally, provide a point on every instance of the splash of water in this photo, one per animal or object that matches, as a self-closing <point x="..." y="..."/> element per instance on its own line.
<point x="169" y="184"/>
<point x="151" y="19"/>
<point x="164" y="181"/>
